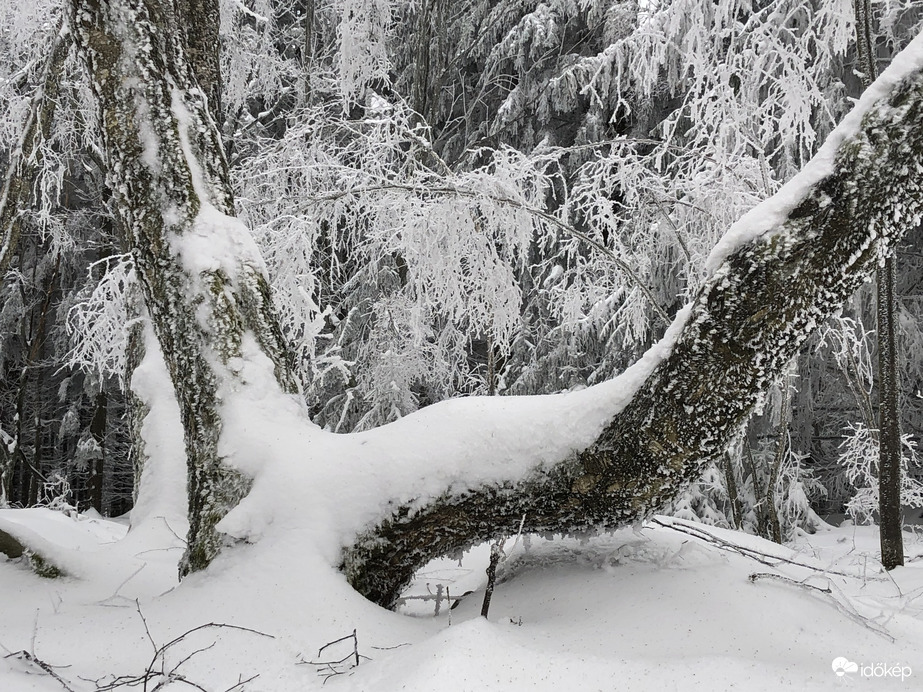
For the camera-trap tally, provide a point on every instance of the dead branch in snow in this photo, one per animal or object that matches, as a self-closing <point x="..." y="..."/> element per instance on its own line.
<point x="45" y="667"/>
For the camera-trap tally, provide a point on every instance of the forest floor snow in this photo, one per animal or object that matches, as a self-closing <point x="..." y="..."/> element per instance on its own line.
<point x="669" y="606"/>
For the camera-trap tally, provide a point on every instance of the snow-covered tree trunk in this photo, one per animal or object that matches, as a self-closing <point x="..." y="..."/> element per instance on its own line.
<point x="207" y="295"/>
<point x="817" y="243"/>
<point x="202" y="279"/>
<point x="201" y="24"/>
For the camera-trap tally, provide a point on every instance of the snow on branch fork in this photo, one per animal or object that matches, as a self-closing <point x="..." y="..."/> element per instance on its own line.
<point x="778" y="273"/>
<point x="788" y="265"/>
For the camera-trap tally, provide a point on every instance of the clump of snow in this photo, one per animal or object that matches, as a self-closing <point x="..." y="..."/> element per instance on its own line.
<point x="217" y="241"/>
<point x="162" y="489"/>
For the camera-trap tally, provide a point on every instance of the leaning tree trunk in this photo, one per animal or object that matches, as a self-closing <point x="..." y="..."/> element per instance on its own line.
<point x="201" y="277"/>
<point x="745" y="325"/>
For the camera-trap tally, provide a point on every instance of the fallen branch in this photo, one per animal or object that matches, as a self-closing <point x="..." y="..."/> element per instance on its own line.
<point x="844" y="608"/>
<point x="788" y="580"/>
<point x="159" y="674"/>
<point x="45" y="667"/>
<point x="757" y="555"/>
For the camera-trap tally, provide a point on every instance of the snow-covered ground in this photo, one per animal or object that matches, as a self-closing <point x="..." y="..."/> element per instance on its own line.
<point x="670" y="606"/>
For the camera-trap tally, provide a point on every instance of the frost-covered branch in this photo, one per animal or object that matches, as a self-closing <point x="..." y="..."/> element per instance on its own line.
<point x="775" y="276"/>
<point x="26" y="159"/>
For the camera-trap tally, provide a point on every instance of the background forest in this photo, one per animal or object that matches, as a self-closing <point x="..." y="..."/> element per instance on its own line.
<point x="485" y="197"/>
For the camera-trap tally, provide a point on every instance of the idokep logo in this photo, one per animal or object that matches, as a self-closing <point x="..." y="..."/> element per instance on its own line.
<point x="843" y="666"/>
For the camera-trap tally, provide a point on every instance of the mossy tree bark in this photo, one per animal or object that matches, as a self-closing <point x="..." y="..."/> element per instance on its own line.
<point x="170" y="182"/>
<point x="745" y="325"/>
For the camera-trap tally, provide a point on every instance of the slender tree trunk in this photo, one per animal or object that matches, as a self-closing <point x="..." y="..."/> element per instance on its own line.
<point x="38" y="475"/>
<point x="307" y="51"/>
<point x="6" y="468"/>
<point x="98" y="465"/>
<point x="20" y="465"/>
<point x="782" y="449"/>
<point x="429" y="47"/>
<point x="889" y="432"/>
<point x="730" y="482"/>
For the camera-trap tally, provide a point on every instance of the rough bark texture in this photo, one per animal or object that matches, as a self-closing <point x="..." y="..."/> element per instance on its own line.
<point x="148" y="101"/>
<point x="746" y="324"/>
<point x="889" y="429"/>
<point x="430" y="50"/>
<point x="201" y="26"/>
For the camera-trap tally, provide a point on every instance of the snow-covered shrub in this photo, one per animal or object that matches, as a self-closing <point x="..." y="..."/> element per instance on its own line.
<point x="859" y="456"/>
<point x="56" y="494"/>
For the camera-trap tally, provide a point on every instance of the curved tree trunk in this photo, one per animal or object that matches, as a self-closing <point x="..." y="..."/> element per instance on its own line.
<point x="201" y="277"/>
<point x="745" y="325"/>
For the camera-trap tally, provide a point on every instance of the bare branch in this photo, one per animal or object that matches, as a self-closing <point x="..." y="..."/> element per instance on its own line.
<point x="39" y="663"/>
